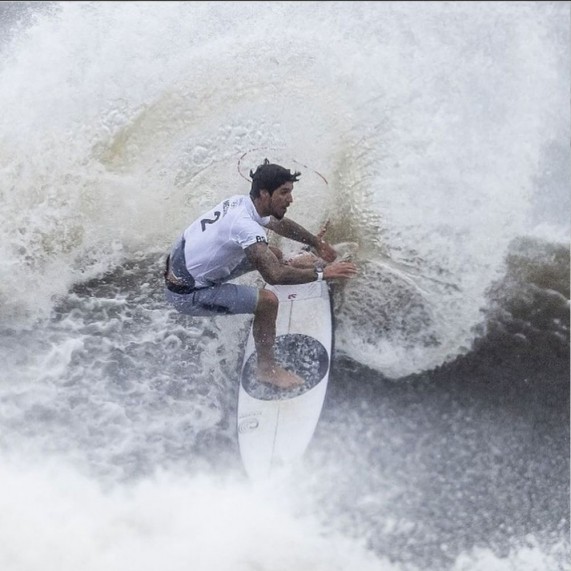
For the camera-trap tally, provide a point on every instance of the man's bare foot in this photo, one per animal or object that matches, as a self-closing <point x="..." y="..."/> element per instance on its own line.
<point x="278" y="377"/>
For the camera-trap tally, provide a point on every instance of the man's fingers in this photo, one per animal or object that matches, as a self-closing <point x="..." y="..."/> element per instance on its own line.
<point x="345" y="269"/>
<point x="323" y="229"/>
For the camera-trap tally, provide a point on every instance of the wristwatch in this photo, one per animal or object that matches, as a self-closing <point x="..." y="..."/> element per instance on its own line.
<point x="319" y="274"/>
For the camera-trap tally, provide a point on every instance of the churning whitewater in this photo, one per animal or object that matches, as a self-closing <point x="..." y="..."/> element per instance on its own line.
<point x="435" y="135"/>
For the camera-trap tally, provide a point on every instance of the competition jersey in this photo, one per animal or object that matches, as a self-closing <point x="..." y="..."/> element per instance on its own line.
<point x="215" y="242"/>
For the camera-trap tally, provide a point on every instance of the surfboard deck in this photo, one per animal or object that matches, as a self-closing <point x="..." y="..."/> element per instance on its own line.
<point x="275" y="426"/>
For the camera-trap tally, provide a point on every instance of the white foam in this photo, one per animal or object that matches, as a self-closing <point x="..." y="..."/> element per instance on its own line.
<point x="431" y="125"/>
<point x="55" y="519"/>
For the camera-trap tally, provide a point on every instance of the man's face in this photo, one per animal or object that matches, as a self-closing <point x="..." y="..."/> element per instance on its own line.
<point x="281" y="199"/>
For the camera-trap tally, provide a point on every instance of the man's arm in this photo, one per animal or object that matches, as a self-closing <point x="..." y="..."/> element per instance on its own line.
<point x="273" y="271"/>
<point x="292" y="230"/>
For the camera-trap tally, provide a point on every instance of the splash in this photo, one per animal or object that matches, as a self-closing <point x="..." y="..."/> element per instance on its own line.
<point x="168" y="522"/>
<point x="434" y="127"/>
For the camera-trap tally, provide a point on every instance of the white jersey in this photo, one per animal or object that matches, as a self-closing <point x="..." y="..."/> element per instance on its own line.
<point x="215" y="243"/>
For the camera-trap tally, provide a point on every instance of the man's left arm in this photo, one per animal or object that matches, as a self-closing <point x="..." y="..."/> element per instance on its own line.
<point x="292" y="230"/>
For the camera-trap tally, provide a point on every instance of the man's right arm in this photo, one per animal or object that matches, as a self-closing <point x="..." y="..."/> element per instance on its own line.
<point x="274" y="272"/>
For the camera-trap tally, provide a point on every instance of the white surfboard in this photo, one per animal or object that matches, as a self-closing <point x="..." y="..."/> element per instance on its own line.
<point x="275" y="426"/>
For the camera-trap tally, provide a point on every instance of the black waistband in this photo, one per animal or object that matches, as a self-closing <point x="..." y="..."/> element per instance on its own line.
<point x="181" y="289"/>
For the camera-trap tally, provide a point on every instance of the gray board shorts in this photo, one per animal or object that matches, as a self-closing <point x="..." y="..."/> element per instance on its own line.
<point x="220" y="299"/>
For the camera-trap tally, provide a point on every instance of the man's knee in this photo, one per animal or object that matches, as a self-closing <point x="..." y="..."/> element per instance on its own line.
<point x="267" y="300"/>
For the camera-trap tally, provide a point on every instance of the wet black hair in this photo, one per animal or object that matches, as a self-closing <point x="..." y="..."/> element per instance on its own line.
<point x="269" y="176"/>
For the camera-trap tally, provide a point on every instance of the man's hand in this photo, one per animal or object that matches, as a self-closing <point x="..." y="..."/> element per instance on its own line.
<point x="343" y="269"/>
<point x="324" y="250"/>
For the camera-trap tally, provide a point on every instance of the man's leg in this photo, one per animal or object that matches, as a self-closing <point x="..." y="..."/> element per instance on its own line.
<point x="233" y="299"/>
<point x="264" y="332"/>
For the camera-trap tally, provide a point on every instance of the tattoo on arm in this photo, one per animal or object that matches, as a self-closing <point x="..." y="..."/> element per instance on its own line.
<point x="263" y="259"/>
<point x="272" y="270"/>
<point x="292" y="230"/>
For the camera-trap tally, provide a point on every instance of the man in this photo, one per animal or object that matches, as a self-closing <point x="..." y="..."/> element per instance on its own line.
<point x="230" y="240"/>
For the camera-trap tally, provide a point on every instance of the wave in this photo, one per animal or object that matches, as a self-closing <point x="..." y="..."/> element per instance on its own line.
<point x="105" y="159"/>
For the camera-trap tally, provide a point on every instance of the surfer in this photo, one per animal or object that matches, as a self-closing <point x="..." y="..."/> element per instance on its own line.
<point x="230" y="240"/>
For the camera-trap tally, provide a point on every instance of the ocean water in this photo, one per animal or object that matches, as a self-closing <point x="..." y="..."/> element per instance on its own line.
<point x="435" y="135"/>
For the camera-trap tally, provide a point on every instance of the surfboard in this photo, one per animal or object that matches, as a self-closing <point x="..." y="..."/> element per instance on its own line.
<point x="275" y="426"/>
